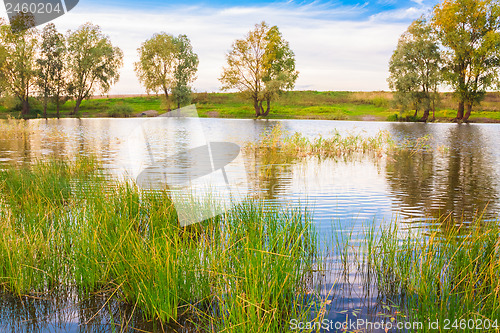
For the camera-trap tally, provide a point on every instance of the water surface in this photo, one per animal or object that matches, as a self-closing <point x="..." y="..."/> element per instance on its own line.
<point x="457" y="175"/>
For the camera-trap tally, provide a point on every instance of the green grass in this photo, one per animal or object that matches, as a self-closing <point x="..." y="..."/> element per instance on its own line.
<point x="449" y="273"/>
<point x="333" y="105"/>
<point x="65" y="225"/>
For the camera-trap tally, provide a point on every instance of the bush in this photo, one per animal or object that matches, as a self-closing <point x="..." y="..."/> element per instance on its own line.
<point x="120" y="110"/>
<point x="393" y="117"/>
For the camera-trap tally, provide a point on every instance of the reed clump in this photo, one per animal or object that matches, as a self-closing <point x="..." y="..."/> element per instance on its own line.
<point x="449" y="275"/>
<point x="65" y="225"/>
<point x="336" y="145"/>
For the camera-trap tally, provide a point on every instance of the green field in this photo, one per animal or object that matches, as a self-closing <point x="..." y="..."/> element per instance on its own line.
<point x="333" y="105"/>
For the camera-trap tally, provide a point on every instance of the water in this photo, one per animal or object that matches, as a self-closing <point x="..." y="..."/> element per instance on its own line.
<point x="458" y="175"/>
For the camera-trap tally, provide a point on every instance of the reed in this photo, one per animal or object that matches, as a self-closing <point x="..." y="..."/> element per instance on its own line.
<point x="66" y="225"/>
<point x="448" y="275"/>
<point x="332" y="146"/>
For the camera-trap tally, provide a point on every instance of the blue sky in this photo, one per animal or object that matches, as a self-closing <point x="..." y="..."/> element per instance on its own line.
<point x="339" y="45"/>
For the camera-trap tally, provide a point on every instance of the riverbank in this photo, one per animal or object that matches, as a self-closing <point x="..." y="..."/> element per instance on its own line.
<point x="328" y="105"/>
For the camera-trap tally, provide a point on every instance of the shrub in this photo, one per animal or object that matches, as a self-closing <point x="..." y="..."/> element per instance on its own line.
<point x="120" y="110"/>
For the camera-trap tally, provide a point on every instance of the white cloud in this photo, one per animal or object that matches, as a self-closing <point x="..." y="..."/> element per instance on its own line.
<point x="331" y="53"/>
<point x="400" y="14"/>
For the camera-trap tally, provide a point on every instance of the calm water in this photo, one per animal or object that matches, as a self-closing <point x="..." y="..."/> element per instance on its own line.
<point x="458" y="175"/>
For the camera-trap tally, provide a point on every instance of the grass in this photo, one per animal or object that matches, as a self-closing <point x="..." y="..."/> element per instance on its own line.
<point x="332" y="146"/>
<point x="278" y="143"/>
<point x="332" y="105"/>
<point x="65" y="225"/>
<point x="449" y="274"/>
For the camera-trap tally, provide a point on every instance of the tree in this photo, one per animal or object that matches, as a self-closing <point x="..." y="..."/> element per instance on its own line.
<point x="469" y="33"/>
<point x="414" y="68"/>
<point x="260" y="66"/>
<point x="93" y="63"/>
<point x="168" y="64"/>
<point x="50" y="73"/>
<point x="185" y="71"/>
<point x="18" y="48"/>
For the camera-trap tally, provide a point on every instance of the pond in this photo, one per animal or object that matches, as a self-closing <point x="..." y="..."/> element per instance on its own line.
<point x="457" y="175"/>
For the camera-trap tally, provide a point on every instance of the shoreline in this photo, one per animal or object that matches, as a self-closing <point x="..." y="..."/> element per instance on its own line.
<point x="312" y="105"/>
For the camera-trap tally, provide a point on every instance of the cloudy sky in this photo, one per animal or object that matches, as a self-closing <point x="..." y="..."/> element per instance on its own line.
<point x="338" y="45"/>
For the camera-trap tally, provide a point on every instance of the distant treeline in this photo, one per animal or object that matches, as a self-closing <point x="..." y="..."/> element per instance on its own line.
<point x="53" y="67"/>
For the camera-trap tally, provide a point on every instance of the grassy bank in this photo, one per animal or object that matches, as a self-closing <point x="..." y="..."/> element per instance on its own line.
<point x="334" y="105"/>
<point x="65" y="225"/>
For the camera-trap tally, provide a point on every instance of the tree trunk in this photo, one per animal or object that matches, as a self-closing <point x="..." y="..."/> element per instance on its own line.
<point x="57" y="106"/>
<point x="268" y="108"/>
<point x="256" y="107"/>
<point x="178" y="105"/>
<point x="77" y="106"/>
<point x="45" y="107"/>
<point x="469" y="110"/>
<point x="460" y="111"/>
<point x="26" y="107"/>
<point x="426" y="115"/>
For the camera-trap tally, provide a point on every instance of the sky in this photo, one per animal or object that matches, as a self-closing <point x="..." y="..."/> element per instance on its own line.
<point x="338" y="45"/>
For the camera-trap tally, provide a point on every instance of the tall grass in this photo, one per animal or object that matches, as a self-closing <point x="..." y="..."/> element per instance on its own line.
<point x="64" y="224"/>
<point x="449" y="275"/>
<point x="335" y="145"/>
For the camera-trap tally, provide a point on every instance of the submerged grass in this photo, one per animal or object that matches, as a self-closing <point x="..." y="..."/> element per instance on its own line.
<point x="451" y="274"/>
<point x="336" y="145"/>
<point x="64" y="224"/>
<point x="296" y="145"/>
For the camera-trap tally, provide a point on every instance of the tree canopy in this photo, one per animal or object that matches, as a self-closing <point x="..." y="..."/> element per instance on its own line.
<point x="50" y="69"/>
<point x="93" y="63"/>
<point x="167" y="64"/>
<point x="18" y="51"/>
<point x="468" y="31"/>
<point x="415" y="72"/>
<point x="260" y="66"/>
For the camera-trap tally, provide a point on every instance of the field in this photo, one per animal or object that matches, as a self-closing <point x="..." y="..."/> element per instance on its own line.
<point x="333" y="105"/>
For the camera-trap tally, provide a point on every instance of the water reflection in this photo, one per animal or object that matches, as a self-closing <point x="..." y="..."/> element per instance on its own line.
<point x="461" y="181"/>
<point x="459" y="175"/>
<point x="63" y="311"/>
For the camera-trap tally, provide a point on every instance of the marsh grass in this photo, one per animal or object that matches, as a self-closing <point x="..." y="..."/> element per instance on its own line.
<point x="449" y="273"/>
<point x="336" y="145"/>
<point x="65" y="225"/>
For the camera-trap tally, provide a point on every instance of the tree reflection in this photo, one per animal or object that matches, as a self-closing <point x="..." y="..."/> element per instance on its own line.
<point x="460" y="181"/>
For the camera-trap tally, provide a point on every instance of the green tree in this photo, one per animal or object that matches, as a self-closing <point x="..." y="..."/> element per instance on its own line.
<point x="469" y="33"/>
<point x="50" y="74"/>
<point x="260" y="66"/>
<point x="168" y="64"/>
<point x="18" y="50"/>
<point x="185" y="71"/>
<point x="414" y="68"/>
<point x="93" y="63"/>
